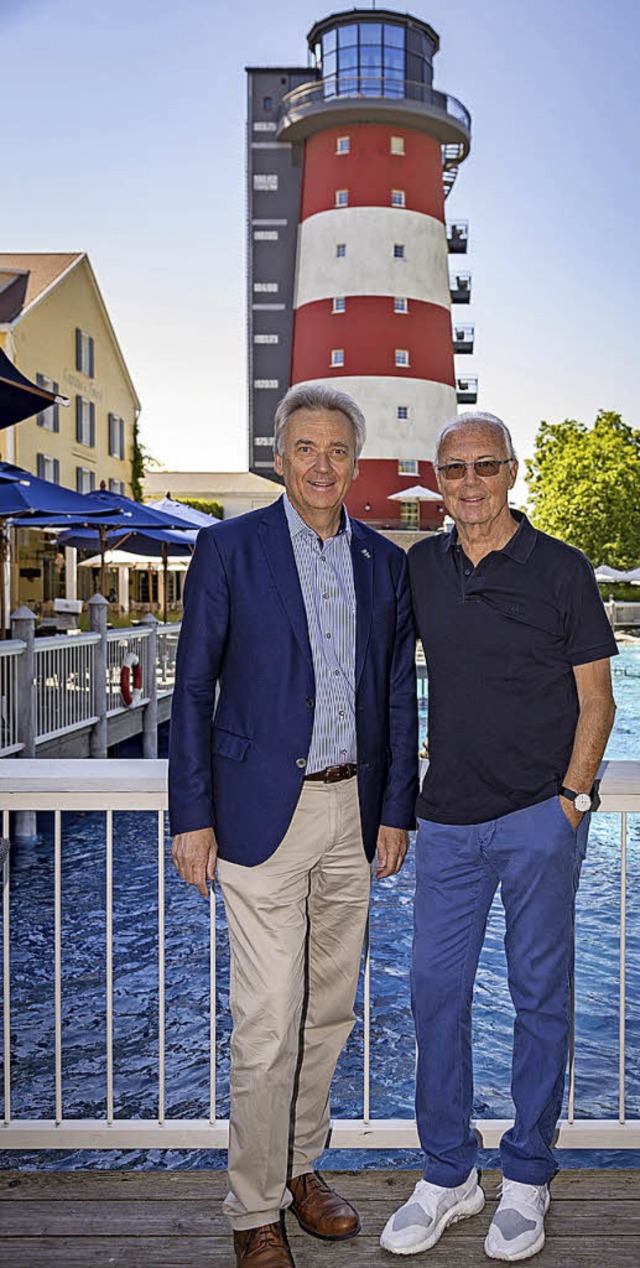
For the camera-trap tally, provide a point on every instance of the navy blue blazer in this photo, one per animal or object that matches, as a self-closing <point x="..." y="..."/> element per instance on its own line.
<point x="237" y="763"/>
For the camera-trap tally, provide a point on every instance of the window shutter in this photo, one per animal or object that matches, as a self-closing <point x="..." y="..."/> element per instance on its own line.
<point x="56" y="469"/>
<point x="40" y="466"/>
<point x="121" y="437"/>
<point x="78" y="479"/>
<point x="56" y="409"/>
<point x="40" y="383"/>
<point x="92" y="425"/>
<point x="79" y="419"/>
<point x="78" y="349"/>
<point x="92" y="481"/>
<point x="91" y="358"/>
<point x="111" y="435"/>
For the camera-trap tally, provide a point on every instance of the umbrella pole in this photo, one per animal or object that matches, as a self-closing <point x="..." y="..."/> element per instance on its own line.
<point x="3" y="596"/>
<point x="165" y="572"/>
<point x="103" y="551"/>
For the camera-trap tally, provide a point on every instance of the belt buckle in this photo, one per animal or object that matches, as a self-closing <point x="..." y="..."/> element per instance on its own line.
<point x="333" y="774"/>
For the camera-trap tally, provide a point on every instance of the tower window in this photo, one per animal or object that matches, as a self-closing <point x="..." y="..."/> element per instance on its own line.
<point x="265" y="181"/>
<point x="337" y="356"/>
<point x="397" y="145"/>
<point x="398" y="250"/>
<point x="267" y="103"/>
<point x="402" y="356"/>
<point x="341" y="249"/>
<point x="342" y="197"/>
<point x="397" y="198"/>
<point x="343" y="144"/>
<point x="402" y="412"/>
<point x="339" y="304"/>
<point x="400" y="304"/>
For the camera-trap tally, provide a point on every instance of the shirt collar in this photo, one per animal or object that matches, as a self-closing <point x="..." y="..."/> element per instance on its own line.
<point x="518" y="547"/>
<point x="297" y="524"/>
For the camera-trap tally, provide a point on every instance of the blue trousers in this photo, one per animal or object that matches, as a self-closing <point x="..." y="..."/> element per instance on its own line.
<point x="535" y="856"/>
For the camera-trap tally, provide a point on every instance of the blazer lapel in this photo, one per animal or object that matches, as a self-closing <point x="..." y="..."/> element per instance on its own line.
<point x="276" y="541"/>
<point x="362" y="555"/>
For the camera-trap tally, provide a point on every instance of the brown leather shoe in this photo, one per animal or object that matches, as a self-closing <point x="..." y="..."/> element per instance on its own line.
<point x="321" y="1211"/>
<point x="262" y="1247"/>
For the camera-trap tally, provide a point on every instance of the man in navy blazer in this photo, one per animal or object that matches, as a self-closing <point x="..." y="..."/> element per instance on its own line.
<point x="293" y="761"/>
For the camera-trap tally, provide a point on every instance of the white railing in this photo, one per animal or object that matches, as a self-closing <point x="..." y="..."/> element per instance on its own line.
<point x="64" y="684"/>
<point x="141" y="786"/>
<point x="10" y="652"/>
<point x="166" y="657"/>
<point x="621" y="613"/>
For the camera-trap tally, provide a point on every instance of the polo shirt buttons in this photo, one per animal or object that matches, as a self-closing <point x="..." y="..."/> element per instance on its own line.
<point x="310" y="702"/>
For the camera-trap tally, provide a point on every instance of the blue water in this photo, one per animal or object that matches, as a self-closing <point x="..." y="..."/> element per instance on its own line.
<point x="187" y="1025"/>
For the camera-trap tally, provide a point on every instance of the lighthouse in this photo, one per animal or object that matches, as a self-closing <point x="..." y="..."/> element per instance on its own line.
<point x="353" y="268"/>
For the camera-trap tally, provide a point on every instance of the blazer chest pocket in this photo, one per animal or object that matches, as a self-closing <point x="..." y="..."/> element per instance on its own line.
<point x="226" y="744"/>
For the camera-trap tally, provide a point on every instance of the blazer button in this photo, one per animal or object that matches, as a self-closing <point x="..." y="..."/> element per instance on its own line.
<point x="301" y="762"/>
<point x="310" y="701"/>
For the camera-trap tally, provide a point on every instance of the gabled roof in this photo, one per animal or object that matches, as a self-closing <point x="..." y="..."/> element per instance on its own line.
<point x="41" y="270"/>
<point x="25" y="278"/>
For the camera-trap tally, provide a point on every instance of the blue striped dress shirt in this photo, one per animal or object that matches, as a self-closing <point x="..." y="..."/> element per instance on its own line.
<point x="325" y="570"/>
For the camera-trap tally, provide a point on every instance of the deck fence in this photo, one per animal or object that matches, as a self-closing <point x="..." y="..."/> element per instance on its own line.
<point x="111" y="786"/>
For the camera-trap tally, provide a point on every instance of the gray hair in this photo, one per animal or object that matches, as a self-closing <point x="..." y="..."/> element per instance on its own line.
<point x="476" y="416"/>
<point x="317" y="396"/>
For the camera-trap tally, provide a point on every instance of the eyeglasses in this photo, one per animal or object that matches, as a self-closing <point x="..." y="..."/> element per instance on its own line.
<point x="482" y="467"/>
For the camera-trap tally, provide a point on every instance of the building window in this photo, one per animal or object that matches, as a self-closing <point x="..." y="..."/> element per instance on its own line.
<point x="116" y="436"/>
<point x="402" y="412"/>
<point x="341" y="249"/>
<point x="343" y="144"/>
<point x="84" y="354"/>
<point x="397" y="145"/>
<point x="339" y="304"/>
<point x="48" y="418"/>
<point x="266" y="338"/>
<point x="397" y="198"/>
<point x="48" y="468"/>
<point x="267" y="103"/>
<point x="408" y="466"/>
<point x="342" y="197"/>
<point x="265" y="288"/>
<point x="264" y="127"/>
<point x="116" y="486"/>
<point x="398" y="250"/>
<point x="402" y="356"/>
<point x="265" y="235"/>
<point x="265" y="181"/>
<point x="85" y="480"/>
<point x="265" y="383"/>
<point x="337" y="356"/>
<point x="85" y="422"/>
<point x="400" y="304"/>
<point x="263" y="441"/>
<point x="410" y="514"/>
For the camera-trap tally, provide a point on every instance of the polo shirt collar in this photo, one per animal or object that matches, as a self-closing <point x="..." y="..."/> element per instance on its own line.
<point x="519" y="546"/>
<point x="298" y="525"/>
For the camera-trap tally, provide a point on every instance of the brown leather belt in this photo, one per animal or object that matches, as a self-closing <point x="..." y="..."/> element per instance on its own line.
<point x="333" y="774"/>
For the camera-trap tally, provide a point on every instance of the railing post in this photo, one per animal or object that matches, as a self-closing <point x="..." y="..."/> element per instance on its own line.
<point x="23" y="625"/>
<point x="150" y="720"/>
<point x="98" y="608"/>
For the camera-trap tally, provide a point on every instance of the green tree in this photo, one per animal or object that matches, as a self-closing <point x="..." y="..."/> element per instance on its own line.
<point x="140" y="457"/>
<point x="584" y="487"/>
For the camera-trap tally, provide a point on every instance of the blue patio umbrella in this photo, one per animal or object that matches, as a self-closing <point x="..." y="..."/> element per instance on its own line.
<point x="19" y="397"/>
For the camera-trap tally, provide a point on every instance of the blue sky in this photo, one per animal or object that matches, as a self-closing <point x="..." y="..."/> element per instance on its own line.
<point x="123" y="135"/>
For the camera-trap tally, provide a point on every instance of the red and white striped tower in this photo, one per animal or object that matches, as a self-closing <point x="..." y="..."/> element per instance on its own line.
<point x="372" y="295"/>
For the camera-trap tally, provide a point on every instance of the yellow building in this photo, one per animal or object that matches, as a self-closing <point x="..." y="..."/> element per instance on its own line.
<point x="55" y="328"/>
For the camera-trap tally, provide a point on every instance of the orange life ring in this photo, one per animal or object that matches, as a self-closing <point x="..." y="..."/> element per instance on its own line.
<point x="131" y="679"/>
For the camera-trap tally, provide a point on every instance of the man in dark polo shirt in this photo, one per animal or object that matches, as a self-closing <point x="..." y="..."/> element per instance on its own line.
<point x="517" y="646"/>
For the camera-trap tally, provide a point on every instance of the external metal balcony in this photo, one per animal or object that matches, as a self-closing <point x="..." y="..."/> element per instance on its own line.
<point x="342" y="99"/>
<point x="467" y="391"/>
<point x="458" y="236"/>
<point x="463" y="338"/>
<point x="460" y="288"/>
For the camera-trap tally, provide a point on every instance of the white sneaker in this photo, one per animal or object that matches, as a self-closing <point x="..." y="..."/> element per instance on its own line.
<point x="420" y="1223"/>
<point x="517" y="1228"/>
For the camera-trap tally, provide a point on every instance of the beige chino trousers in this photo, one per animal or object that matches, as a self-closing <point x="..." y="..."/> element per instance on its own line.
<point x="296" y="926"/>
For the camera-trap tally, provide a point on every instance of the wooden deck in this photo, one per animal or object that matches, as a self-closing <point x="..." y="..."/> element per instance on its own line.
<point x="135" y="1219"/>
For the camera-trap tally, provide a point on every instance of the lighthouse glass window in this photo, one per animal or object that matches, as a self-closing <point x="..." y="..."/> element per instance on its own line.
<point x="365" y="59"/>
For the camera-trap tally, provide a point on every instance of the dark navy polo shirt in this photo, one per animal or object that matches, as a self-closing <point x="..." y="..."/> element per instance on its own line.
<point x="501" y="641"/>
